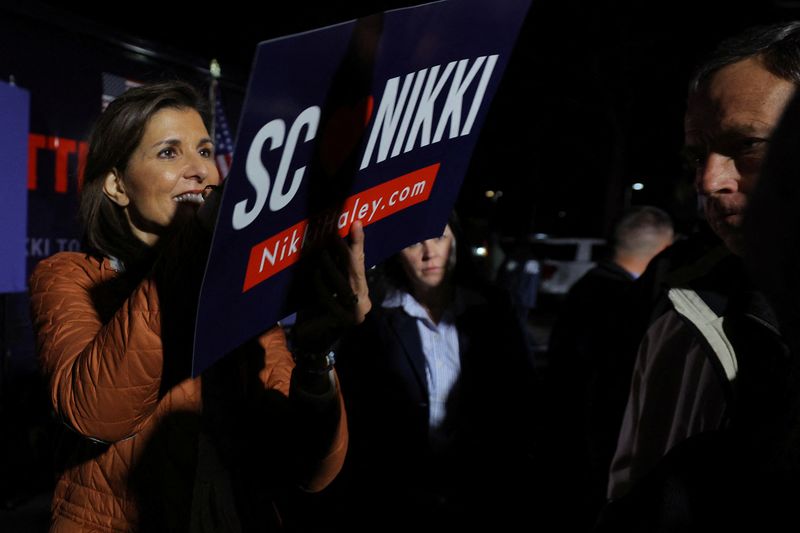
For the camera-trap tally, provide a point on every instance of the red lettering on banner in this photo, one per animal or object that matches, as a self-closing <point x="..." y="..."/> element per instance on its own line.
<point x="62" y="147"/>
<point x="276" y="253"/>
<point x="35" y="143"/>
<point x="83" y="151"/>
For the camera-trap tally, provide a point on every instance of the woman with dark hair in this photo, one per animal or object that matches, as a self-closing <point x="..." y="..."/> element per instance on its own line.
<point x="439" y="406"/>
<point x="149" y="448"/>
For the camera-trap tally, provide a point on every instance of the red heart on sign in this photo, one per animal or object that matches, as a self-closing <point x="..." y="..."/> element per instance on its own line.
<point x="343" y="133"/>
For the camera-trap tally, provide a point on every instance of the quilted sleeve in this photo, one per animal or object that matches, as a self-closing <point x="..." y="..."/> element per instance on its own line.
<point x="103" y="378"/>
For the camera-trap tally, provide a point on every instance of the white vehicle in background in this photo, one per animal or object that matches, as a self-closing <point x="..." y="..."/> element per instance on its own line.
<point x="565" y="260"/>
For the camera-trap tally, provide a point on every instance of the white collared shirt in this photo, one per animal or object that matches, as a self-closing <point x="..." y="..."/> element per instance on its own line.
<point x="440" y="346"/>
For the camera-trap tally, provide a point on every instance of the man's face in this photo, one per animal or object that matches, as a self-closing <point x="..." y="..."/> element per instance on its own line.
<point x="727" y="130"/>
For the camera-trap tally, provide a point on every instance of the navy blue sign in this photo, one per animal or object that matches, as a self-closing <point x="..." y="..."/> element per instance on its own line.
<point x="14" y="108"/>
<point x="372" y="120"/>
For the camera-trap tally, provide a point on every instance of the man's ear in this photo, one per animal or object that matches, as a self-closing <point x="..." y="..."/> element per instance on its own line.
<point x="115" y="189"/>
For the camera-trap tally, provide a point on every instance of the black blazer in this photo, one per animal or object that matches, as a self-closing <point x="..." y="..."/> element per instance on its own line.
<point x="382" y="372"/>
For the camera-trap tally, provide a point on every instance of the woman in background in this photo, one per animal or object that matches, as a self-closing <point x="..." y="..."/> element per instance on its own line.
<point x="438" y="385"/>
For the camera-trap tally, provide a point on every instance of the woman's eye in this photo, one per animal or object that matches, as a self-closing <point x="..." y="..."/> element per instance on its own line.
<point x="167" y="153"/>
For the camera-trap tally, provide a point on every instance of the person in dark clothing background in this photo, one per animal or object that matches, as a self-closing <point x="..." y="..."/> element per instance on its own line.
<point x="439" y="394"/>
<point x="520" y="275"/>
<point x="582" y="433"/>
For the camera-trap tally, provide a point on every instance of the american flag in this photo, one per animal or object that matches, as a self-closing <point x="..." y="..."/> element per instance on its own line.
<point x="223" y="142"/>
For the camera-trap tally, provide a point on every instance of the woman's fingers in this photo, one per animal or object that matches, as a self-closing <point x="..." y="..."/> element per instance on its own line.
<point x="357" y="272"/>
<point x="338" y="280"/>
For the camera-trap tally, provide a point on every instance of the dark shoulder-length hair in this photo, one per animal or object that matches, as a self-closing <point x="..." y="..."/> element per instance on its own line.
<point x="114" y="137"/>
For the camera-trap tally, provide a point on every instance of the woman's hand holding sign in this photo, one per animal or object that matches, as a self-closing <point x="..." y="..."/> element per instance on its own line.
<point x="340" y="300"/>
<point x="339" y="291"/>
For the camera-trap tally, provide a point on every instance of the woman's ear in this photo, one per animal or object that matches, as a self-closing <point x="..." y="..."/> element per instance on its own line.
<point x="115" y="189"/>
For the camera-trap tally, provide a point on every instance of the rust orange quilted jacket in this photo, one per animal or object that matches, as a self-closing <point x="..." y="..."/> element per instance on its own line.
<point x="129" y="458"/>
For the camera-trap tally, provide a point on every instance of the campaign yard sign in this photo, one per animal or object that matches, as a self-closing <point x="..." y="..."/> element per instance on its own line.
<point x="14" y="108"/>
<point x="372" y="120"/>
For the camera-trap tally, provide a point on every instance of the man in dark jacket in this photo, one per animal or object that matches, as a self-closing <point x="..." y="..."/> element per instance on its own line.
<point x="581" y="343"/>
<point x="709" y="389"/>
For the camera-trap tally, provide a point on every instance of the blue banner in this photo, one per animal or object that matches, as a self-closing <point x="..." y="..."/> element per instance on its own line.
<point x="15" y="110"/>
<point x="372" y="120"/>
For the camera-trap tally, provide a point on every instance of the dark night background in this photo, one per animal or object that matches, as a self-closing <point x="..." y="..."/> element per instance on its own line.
<point x="592" y="100"/>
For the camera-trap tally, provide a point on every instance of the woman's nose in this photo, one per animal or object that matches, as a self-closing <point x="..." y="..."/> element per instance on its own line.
<point x="428" y="250"/>
<point x="201" y="169"/>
